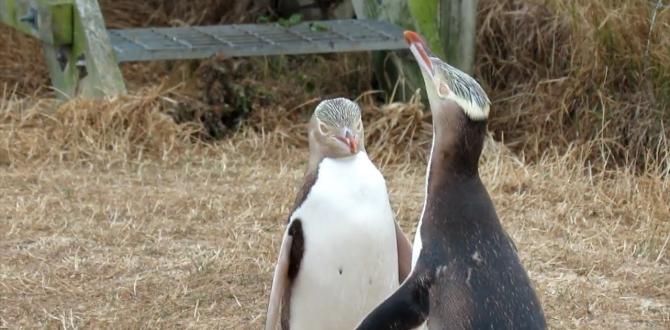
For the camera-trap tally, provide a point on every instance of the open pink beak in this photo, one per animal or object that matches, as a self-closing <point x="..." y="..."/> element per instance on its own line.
<point x="420" y="51"/>
<point x="351" y="142"/>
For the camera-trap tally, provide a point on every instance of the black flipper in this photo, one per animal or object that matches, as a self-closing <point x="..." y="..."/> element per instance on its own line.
<point x="288" y="265"/>
<point x="407" y="308"/>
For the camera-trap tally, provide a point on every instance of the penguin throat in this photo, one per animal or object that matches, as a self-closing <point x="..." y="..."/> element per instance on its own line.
<point x="457" y="145"/>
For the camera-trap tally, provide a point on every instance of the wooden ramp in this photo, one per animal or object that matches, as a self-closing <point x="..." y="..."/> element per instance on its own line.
<point x="83" y="56"/>
<point x="149" y="44"/>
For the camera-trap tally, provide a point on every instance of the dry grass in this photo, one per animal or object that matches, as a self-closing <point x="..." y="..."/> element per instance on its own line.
<point x="561" y="73"/>
<point x="113" y="216"/>
<point x="570" y="72"/>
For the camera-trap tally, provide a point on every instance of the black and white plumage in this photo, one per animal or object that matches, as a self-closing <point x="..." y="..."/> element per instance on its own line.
<point x="342" y="252"/>
<point x="465" y="270"/>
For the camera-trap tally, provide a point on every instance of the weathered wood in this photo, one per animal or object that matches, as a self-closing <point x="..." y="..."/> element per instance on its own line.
<point x="11" y="12"/>
<point x="427" y="22"/>
<point x="457" y="23"/>
<point x="51" y="22"/>
<point x="55" y="21"/>
<point x="103" y="75"/>
<point x="62" y="67"/>
<point x="47" y="20"/>
<point x="75" y="42"/>
<point x="447" y="25"/>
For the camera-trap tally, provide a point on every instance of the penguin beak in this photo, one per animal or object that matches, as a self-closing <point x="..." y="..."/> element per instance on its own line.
<point x="349" y="139"/>
<point x="420" y="51"/>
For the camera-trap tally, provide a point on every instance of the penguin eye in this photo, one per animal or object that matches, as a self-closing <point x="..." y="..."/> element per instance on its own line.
<point x="443" y="90"/>
<point x="359" y="125"/>
<point x="323" y="128"/>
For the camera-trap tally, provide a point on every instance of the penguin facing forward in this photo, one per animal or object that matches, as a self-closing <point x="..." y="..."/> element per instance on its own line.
<point x="465" y="270"/>
<point x="342" y="252"/>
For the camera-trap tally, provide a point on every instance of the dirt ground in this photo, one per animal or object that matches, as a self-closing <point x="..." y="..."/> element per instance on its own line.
<point x="96" y="234"/>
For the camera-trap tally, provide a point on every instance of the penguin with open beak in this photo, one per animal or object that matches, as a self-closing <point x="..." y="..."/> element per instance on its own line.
<point x="465" y="270"/>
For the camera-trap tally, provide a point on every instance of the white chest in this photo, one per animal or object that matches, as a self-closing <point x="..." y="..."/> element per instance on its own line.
<point x="350" y="262"/>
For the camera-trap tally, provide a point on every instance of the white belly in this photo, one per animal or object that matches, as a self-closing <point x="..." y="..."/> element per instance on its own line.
<point x="350" y="261"/>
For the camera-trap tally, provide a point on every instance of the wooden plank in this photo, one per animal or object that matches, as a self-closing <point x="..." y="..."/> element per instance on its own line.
<point x="447" y="25"/>
<point x="56" y="21"/>
<point x="63" y="72"/>
<point x="427" y="22"/>
<point x="11" y="12"/>
<point x="172" y="43"/>
<point x="62" y="63"/>
<point x="449" y="28"/>
<point x="103" y="75"/>
<point x="51" y="19"/>
<point x="457" y="24"/>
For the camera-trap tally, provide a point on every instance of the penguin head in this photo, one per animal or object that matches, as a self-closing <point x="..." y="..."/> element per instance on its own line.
<point x="336" y="128"/>
<point x="447" y="84"/>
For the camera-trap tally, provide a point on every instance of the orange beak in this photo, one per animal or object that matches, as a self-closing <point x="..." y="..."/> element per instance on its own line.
<point x="353" y="145"/>
<point x="350" y="141"/>
<point x="419" y="49"/>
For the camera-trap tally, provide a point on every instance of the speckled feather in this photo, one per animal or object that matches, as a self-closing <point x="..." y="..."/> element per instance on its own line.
<point x="339" y="112"/>
<point x="475" y="102"/>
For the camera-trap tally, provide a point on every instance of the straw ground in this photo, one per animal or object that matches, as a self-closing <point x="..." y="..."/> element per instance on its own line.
<point x="112" y="216"/>
<point x="157" y="210"/>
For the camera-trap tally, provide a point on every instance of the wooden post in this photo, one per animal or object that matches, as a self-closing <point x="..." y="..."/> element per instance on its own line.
<point x="74" y="39"/>
<point x="457" y="24"/>
<point x="449" y="28"/>
<point x="55" y="30"/>
<point x="447" y="25"/>
<point x="427" y="19"/>
<point x="103" y="74"/>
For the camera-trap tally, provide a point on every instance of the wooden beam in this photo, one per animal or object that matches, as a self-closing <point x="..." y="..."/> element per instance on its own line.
<point x="56" y="21"/>
<point x="457" y="24"/>
<point x="76" y="46"/>
<point x="61" y="62"/>
<point x="427" y="21"/>
<point x="449" y="28"/>
<point x="47" y="20"/>
<point x="103" y="76"/>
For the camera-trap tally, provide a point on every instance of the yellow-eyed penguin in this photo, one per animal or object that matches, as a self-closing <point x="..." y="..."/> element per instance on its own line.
<point x="342" y="252"/>
<point x="466" y="273"/>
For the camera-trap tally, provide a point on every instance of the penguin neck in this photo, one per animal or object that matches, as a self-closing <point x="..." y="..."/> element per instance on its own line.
<point x="318" y="152"/>
<point x="316" y="155"/>
<point x="457" y="147"/>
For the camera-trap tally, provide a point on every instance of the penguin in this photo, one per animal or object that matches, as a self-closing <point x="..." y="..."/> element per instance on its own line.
<point x="342" y="252"/>
<point x="465" y="270"/>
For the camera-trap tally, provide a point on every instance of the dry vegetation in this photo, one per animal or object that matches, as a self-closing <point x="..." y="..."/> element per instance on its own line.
<point x="126" y="213"/>
<point x="116" y="218"/>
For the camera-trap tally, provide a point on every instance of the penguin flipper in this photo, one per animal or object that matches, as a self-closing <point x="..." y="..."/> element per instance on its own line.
<point x="290" y="255"/>
<point x="407" y="308"/>
<point x="404" y="253"/>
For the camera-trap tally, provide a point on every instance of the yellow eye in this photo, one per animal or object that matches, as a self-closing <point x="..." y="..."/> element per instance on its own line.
<point x="443" y="90"/>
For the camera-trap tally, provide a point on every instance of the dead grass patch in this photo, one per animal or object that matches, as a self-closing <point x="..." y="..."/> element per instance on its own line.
<point x="114" y="215"/>
<point x="129" y="231"/>
<point x="561" y="73"/>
